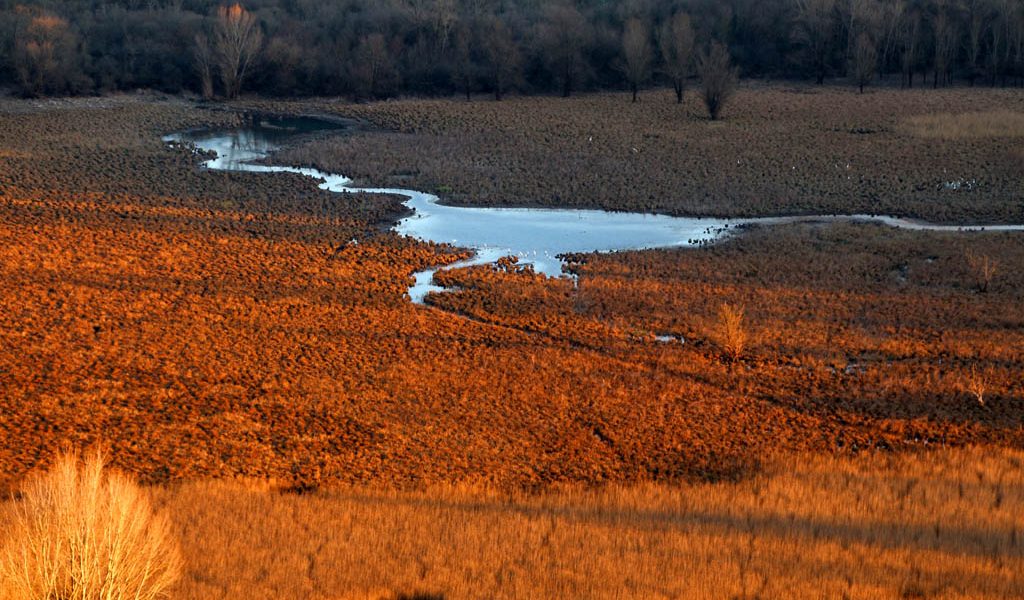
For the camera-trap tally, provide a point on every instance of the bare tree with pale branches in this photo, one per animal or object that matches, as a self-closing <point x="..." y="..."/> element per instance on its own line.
<point x="945" y="41"/>
<point x="676" y="44"/>
<point x="83" y="532"/>
<point x="202" y="55"/>
<point x="636" y="54"/>
<point x="984" y="268"/>
<point x="237" y="40"/>
<point x="864" y="61"/>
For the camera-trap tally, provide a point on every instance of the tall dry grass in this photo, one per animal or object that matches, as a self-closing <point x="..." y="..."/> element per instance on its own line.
<point x="730" y="333"/>
<point x="82" y="532"/>
<point x="966" y="126"/>
<point x="946" y="524"/>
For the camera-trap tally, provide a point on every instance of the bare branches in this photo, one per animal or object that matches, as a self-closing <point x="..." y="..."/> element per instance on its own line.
<point x="718" y="78"/>
<point x="864" y="61"/>
<point x="237" y="40"/>
<point x="204" y="62"/>
<point x="816" y="19"/>
<point x="983" y="267"/>
<point x="82" y="531"/>
<point x="636" y="53"/>
<point x="676" y="44"/>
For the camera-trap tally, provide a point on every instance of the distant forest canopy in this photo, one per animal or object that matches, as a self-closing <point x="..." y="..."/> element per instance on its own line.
<point x="384" y="48"/>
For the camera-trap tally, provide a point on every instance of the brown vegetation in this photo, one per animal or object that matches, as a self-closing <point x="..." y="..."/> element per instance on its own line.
<point x="968" y="125"/>
<point x="940" y="525"/>
<point x="218" y="324"/>
<point x="730" y="331"/>
<point x="781" y="151"/>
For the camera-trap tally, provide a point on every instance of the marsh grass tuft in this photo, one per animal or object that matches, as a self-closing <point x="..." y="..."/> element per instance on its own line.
<point x="730" y="333"/>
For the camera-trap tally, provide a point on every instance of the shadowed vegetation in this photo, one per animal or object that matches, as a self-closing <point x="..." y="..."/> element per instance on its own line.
<point x="943" y="524"/>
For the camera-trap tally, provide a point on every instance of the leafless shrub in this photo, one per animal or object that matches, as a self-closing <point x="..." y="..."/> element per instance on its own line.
<point x="984" y="268"/>
<point x="976" y="384"/>
<point x="730" y="333"/>
<point x="718" y="78"/>
<point x="83" y="532"/>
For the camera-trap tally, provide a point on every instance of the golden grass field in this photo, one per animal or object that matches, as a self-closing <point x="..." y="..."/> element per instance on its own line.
<point x="968" y="125"/>
<point x="312" y="434"/>
<point x="941" y="524"/>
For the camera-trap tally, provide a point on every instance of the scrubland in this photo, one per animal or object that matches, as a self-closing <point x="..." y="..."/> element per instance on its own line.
<point x="522" y="436"/>
<point x="779" y="150"/>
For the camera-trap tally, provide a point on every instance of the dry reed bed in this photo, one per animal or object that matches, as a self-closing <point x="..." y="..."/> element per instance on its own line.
<point x="845" y="321"/>
<point x="946" y="524"/>
<point x="209" y="324"/>
<point x="970" y="125"/>
<point x="779" y="151"/>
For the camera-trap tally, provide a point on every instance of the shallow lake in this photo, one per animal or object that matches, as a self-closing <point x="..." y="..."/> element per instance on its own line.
<point x="535" y="236"/>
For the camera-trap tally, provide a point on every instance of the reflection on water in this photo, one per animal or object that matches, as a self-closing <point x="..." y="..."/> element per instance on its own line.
<point x="536" y="236"/>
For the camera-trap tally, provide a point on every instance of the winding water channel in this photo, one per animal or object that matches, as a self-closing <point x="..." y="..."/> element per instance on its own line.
<point x="536" y="236"/>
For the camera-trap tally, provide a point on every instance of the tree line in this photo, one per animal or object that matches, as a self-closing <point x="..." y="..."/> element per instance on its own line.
<point x="384" y="48"/>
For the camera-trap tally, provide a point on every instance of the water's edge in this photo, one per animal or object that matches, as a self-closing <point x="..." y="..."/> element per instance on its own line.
<point x="535" y="236"/>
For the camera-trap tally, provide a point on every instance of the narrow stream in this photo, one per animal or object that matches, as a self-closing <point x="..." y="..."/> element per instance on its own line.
<point x="535" y="236"/>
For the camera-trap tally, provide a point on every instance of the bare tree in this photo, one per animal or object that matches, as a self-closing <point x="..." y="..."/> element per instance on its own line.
<point x="443" y="22"/>
<point x="816" y="19"/>
<point x="373" y="66"/>
<point x="860" y="16"/>
<point x="717" y="78"/>
<point x="502" y="57"/>
<point x="976" y="383"/>
<point x="865" y="60"/>
<point x="564" y="34"/>
<point x="465" y="68"/>
<point x="202" y="56"/>
<point x="983" y="267"/>
<point x="636" y="54"/>
<point x="977" y="19"/>
<point x="892" y="16"/>
<point x="945" y="34"/>
<point x="43" y="48"/>
<point x="676" y="43"/>
<point x="910" y="39"/>
<point x="1001" y="31"/>
<point x="237" y="40"/>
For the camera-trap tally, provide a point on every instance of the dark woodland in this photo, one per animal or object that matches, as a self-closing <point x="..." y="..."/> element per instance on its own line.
<point x="371" y="49"/>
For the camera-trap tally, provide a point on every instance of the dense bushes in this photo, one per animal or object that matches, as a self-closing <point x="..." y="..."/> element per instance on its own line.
<point x="390" y="47"/>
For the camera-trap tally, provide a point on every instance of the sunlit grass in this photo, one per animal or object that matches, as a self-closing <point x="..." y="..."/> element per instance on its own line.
<point x="975" y="125"/>
<point x="947" y="524"/>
